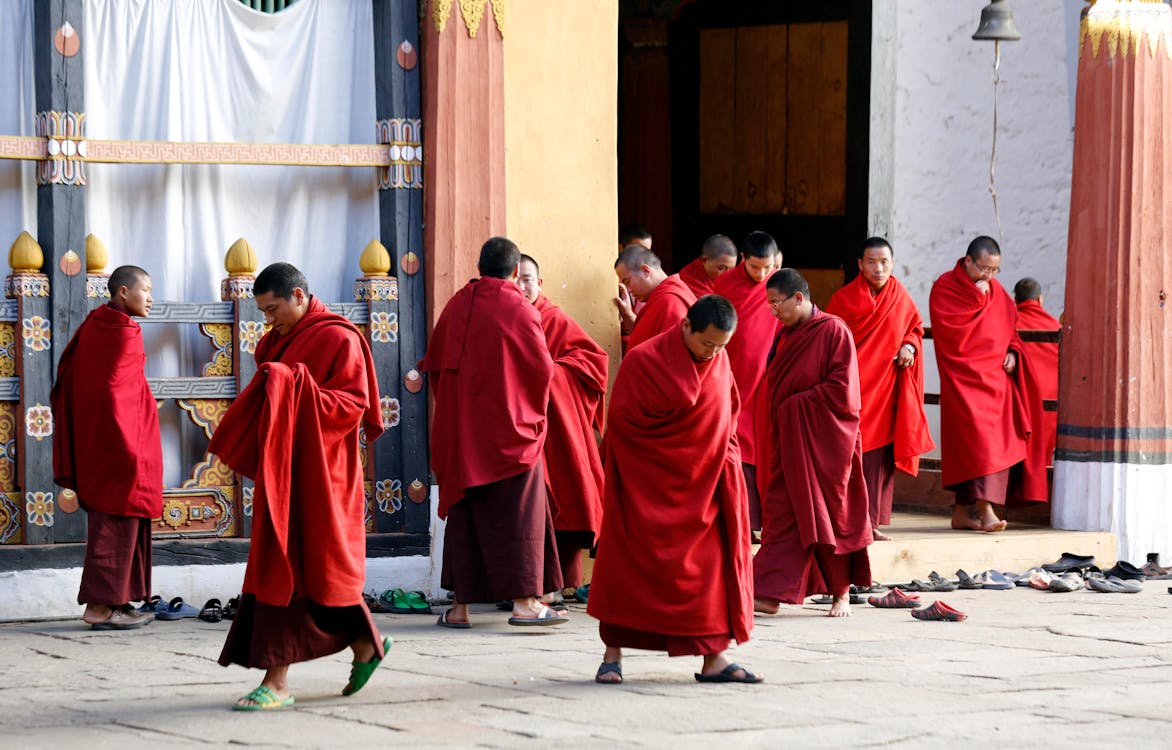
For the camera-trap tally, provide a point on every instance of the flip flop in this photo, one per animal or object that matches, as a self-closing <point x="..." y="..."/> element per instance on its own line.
<point x="1041" y="580"/>
<point x="418" y="603"/>
<point x="895" y="599"/>
<point x="263" y="699"/>
<point x="996" y="581"/>
<point x="360" y="671"/>
<point x="545" y="616"/>
<point x="177" y="609"/>
<point x="939" y="611"/>
<point x="212" y="611"/>
<point x="152" y="606"/>
<point x="728" y="674"/>
<point x="396" y="601"/>
<point x="609" y="667"/>
<point x="444" y="622"/>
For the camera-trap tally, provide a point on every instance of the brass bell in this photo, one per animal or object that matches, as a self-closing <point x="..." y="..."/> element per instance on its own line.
<point x="997" y="23"/>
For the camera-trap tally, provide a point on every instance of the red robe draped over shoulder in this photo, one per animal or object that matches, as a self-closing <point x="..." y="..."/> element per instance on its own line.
<point x="1043" y="375"/>
<point x="489" y="371"/>
<point x="664" y="308"/>
<point x="573" y="467"/>
<point x="106" y="443"/>
<point x="817" y="462"/>
<point x="893" y="396"/>
<point x="985" y="413"/>
<point x="697" y="278"/>
<point x="749" y="348"/>
<point x="674" y="553"/>
<point x="294" y="430"/>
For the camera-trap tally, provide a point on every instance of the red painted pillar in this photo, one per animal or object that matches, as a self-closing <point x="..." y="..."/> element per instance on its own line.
<point x="463" y="141"/>
<point x="1113" y="462"/>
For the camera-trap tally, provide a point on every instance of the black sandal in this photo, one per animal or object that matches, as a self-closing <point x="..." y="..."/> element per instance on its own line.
<point x="212" y="611"/>
<point x="231" y="608"/>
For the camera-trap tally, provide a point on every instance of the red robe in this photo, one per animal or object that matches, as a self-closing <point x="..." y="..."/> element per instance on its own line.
<point x="573" y="468"/>
<point x="1043" y="373"/>
<point x="985" y="413"/>
<point x="106" y="443"/>
<point x="489" y="371"/>
<point x="674" y="553"/>
<point x="294" y="430"/>
<point x="749" y="348"/>
<point x="816" y="467"/>
<point x="664" y="308"/>
<point x="893" y="397"/>
<point x="697" y="278"/>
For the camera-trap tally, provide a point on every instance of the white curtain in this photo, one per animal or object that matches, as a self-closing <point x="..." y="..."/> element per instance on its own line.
<point x="215" y="70"/>
<point x="18" y="188"/>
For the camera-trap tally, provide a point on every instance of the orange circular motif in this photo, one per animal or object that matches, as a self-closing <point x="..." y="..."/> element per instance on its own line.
<point x="70" y="264"/>
<point x="409" y="263"/>
<point x="66" y="41"/>
<point x="417" y="491"/>
<point x="67" y="501"/>
<point x="412" y="381"/>
<point x="405" y="55"/>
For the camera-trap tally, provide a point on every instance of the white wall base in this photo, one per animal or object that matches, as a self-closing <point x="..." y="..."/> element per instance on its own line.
<point x="1132" y="501"/>
<point x="52" y="593"/>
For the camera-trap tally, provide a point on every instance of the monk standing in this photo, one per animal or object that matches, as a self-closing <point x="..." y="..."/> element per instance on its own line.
<point x="573" y="468"/>
<point x="1043" y="365"/>
<point x="978" y="354"/>
<point x="490" y="371"/>
<point x="295" y="431"/>
<point x="666" y="299"/>
<point x="744" y="286"/>
<point x="672" y="572"/>
<point x="816" y="527"/>
<point x="717" y="255"/>
<point x="889" y="336"/>
<point x="107" y="449"/>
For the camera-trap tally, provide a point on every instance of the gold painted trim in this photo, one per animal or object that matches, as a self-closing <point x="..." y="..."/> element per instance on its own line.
<point x="1127" y="24"/>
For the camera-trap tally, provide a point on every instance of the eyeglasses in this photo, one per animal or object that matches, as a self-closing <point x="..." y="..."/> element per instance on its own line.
<point x="991" y="270"/>
<point x="779" y="302"/>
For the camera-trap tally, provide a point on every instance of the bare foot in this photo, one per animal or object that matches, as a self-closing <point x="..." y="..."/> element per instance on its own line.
<point x="998" y="525"/>
<point x="879" y="536"/>
<point x="841" y="606"/>
<point x="764" y="606"/>
<point x="95" y="613"/>
<point x="966" y="522"/>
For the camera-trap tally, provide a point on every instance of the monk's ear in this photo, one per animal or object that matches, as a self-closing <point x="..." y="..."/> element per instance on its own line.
<point x="860" y="264"/>
<point x="686" y="326"/>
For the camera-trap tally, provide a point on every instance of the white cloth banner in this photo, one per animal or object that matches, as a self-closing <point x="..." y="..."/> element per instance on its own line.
<point x="18" y="187"/>
<point x="215" y="70"/>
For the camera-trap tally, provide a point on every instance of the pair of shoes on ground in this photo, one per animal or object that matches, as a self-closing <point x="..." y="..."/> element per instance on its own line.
<point x="175" y="609"/>
<point x="403" y="602"/>
<point x="899" y="599"/>
<point x="935" y="583"/>
<point x="262" y="697"/>
<point x="1114" y="585"/>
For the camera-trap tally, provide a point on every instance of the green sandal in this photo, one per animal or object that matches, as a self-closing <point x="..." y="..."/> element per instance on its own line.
<point x="360" y="671"/>
<point x="263" y="699"/>
<point x="396" y="601"/>
<point x="418" y="603"/>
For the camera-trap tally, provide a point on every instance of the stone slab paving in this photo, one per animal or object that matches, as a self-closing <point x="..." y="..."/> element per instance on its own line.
<point x="1031" y="668"/>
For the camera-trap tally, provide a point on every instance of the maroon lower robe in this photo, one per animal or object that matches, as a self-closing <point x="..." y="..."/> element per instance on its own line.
<point x="499" y="542"/>
<point x="117" y="566"/>
<point x="879" y="474"/>
<point x="816" y="526"/>
<point x="990" y="488"/>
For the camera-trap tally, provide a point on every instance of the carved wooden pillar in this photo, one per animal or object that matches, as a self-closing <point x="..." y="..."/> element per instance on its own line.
<point x="1112" y="463"/>
<point x="248" y="327"/>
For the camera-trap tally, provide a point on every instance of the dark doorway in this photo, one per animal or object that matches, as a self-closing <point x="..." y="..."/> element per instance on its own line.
<point x="738" y="115"/>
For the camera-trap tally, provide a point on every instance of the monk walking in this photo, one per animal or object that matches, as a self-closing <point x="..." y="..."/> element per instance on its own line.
<point x="978" y="355"/>
<point x="573" y="468"/>
<point x="107" y="449"/>
<point x="666" y="299"/>
<point x="717" y="255"/>
<point x="816" y="527"/>
<point x="1043" y="366"/>
<point x="295" y="431"/>
<point x="490" y="371"/>
<point x="744" y="286"/>
<point x="889" y="336"/>
<point x="672" y="572"/>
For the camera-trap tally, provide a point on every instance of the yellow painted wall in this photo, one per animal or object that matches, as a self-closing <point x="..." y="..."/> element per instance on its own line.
<point x="561" y="175"/>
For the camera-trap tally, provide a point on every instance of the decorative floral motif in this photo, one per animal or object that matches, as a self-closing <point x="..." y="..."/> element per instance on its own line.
<point x="36" y="333"/>
<point x="221" y="338"/>
<point x="368" y="506"/>
<point x="384" y="327"/>
<point x="251" y="332"/>
<point x="8" y="428"/>
<point x="7" y="350"/>
<point x="9" y="518"/>
<point x="389" y="495"/>
<point x="390" y="411"/>
<point x="246" y="501"/>
<point x="362" y="443"/>
<point x="38" y="506"/>
<point x="27" y="284"/>
<point x="38" y="421"/>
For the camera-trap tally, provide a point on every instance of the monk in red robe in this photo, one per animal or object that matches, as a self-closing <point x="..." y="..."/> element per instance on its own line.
<point x="672" y="572"/>
<point x="717" y="255"/>
<point x="107" y="449"/>
<point x="816" y="526"/>
<point x="573" y="468"/>
<point x="633" y="234"/>
<point x="295" y="431"/>
<point x="889" y="336"/>
<point x="744" y="286"/>
<point x="489" y="370"/>
<point x="666" y="299"/>
<point x="1043" y="365"/>
<point x="984" y="422"/>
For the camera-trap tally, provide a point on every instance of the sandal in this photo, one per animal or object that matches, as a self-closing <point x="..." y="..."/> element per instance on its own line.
<point x="177" y="609"/>
<point x="895" y="599"/>
<point x="360" y="671"/>
<point x="212" y="611"/>
<point x="417" y="600"/>
<point x="609" y="667"/>
<point x="545" y="616"/>
<point x="444" y="622"/>
<point x="728" y="674"/>
<point x="231" y="608"/>
<point x="396" y="601"/>
<point x="263" y="699"/>
<point x="939" y="611"/>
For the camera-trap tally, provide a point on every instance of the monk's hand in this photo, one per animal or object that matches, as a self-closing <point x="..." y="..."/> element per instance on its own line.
<point x="623" y="302"/>
<point x="983" y="285"/>
<point x="906" y="356"/>
<point x="1010" y="363"/>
